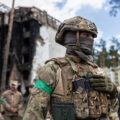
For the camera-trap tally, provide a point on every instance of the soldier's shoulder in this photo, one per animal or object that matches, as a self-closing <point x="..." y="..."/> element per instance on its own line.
<point x="97" y="70"/>
<point x="94" y="65"/>
<point x="6" y="92"/>
<point x="61" y="61"/>
<point x="19" y="93"/>
<point x="100" y="71"/>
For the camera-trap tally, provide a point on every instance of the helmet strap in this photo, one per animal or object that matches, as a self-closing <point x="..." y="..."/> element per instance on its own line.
<point x="77" y="37"/>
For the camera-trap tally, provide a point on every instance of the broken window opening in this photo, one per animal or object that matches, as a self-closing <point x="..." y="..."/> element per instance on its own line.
<point x="26" y="26"/>
<point x="9" y="60"/>
<point x="7" y="81"/>
<point x="26" y="41"/>
<point x="25" y="58"/>
<point x="25" y="75"/>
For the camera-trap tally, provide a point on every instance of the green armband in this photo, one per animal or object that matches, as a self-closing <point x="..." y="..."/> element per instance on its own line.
<point x="43" y="86"/>
<point x="3" y="100"/>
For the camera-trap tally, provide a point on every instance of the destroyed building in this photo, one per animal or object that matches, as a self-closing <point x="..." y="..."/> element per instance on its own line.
<point x="31" y="45"/>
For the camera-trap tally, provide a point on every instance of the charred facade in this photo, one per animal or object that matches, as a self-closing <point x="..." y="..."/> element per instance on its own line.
<point x="25" y="32"/>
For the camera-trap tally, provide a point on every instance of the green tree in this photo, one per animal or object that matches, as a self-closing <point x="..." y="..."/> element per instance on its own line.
<point x="101" y="55"/>
<point x="114" y="54"/>
<point x="107" y="57"/>
<point x="115" y="7"/>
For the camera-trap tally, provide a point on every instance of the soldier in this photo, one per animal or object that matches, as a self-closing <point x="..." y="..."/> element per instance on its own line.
<point x="2" y="111"/>
<point x="14" y="101"/>
<point x="0" y="116"/>
<point x="26" y="98"/>
<point x="73" y="87"/>
<point x="118" y="89"/>
<point x="27" y="94"/>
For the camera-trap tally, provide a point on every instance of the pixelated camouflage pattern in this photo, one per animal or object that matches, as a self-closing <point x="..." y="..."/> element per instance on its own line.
<point x="75" y="24"/>
<point x="92" y="104"/>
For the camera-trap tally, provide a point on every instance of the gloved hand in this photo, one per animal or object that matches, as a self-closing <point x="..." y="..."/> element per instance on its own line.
<point x="103" y="84"/>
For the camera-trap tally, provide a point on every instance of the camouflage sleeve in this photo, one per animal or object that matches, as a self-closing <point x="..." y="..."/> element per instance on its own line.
<point x="114" y="108"/>
<point x="0" y="116"/>
<point x="39" y="100"/>
<point x="7" y="106"/>
<point x="21" y="102"/>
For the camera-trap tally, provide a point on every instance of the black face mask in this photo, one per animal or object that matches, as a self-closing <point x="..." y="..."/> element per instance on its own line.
<point x="80" y="54"/>
<point x="85" y="44"/>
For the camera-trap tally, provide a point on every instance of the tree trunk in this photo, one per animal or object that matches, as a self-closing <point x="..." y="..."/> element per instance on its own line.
<point x="6" y="49"/>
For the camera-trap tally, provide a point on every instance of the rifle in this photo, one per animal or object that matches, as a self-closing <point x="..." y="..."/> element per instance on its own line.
<point x="84" y="82"/>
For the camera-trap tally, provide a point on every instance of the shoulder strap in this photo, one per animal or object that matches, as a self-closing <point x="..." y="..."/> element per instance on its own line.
<point x="74" y="67"/>
<point x="60" y="61"/>
<point x="92" y="64"/>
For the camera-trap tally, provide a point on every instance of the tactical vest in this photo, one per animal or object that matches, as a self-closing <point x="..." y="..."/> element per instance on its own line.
<point x="88" y="104"/>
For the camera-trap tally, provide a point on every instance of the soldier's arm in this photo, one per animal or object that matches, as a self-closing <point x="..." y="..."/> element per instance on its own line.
<point x="6" y="104"/>
<point x="114" y="108"/>
<point x="0" y="116"/>
<point x="21" y="102"/>
<point x="39" y="100"/>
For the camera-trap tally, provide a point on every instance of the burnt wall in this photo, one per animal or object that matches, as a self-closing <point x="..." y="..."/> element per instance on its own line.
<point x="3" y="33"/>
<point x="26" y="49"/>
<point x="22" y="47"/>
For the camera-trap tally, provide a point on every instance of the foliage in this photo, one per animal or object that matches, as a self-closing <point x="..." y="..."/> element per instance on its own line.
<point x="107" y="57"/>
<point x="115" y="7"/>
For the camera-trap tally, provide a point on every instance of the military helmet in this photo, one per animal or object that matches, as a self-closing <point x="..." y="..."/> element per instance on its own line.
<point x="75" y="24"/>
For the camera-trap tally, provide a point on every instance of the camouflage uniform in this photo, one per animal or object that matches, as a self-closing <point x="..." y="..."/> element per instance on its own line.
<point x="0" y="116"/>
<point x="2" y="111"/>
<point x="13" y="100"/>
<point x="59" y="74"/>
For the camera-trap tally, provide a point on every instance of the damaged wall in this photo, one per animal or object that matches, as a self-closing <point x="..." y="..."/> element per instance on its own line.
<point x="22" y="49"/>
<point x="49" y="49"/>
<point x="31" y="45"/>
